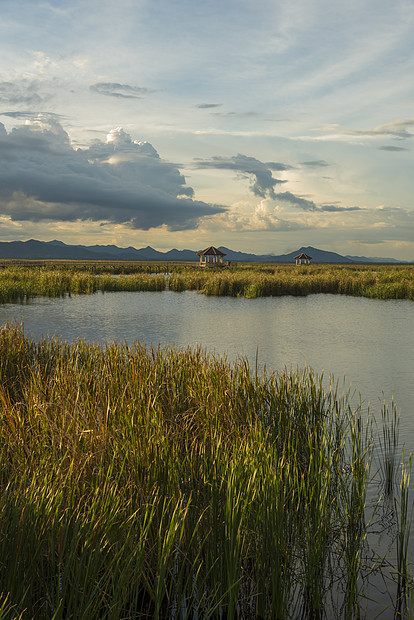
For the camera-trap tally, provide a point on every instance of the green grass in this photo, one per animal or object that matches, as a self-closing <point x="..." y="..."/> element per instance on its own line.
<point x="139" y="482"/>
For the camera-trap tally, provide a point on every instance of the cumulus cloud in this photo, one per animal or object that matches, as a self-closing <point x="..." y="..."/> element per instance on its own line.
<point x="121" y="91"/>
<point x="42" y="177"/>
<point x="264" y="217"/>
<point x="263" y="183"/>
<point x="260" y="173"/>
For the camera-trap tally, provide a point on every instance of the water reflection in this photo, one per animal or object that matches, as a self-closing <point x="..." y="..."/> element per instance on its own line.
<point x="371" y="342"/>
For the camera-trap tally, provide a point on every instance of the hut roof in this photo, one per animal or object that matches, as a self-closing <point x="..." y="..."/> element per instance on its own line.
<point x="303" y="256"/>
<point x="211" y="251"/>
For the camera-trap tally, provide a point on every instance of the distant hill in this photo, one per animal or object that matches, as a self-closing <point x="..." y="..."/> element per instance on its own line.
<point x="318" y="256"/>
<point x="41" y="250"/>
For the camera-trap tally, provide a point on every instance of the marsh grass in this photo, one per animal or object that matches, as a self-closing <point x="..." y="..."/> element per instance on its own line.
<point x="381" y="282"/>
<point x="165" y="483"/>
<point x="403" y="517"/>
<point x="389" y="444"/>
<point x="20" y="284"/>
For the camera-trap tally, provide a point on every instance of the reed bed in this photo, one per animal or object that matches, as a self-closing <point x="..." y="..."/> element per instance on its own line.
<point x="19" y="284"/>
<point x="166" y="483"/>
<point x="381" y="282"/>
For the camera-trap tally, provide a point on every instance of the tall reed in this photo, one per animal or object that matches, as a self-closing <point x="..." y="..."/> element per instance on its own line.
<point x="403" y="514"/>
<point x="18" y="284"/>
<point x="383" y="282"/>
<point x="166" y="483"/>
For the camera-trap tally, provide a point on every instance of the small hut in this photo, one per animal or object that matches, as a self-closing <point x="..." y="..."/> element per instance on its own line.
<point x="211" y="256"/>
<point x="303" y="259"/>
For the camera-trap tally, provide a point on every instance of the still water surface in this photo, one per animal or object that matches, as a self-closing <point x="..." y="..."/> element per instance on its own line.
<point x="369" y="342"/>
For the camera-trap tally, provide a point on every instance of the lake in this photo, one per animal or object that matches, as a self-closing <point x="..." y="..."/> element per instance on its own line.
<point x="368" y="345"/>
<point x="369" y="342"/>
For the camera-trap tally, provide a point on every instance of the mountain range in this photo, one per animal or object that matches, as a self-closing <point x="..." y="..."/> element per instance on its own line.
<point x="56" y="250"/>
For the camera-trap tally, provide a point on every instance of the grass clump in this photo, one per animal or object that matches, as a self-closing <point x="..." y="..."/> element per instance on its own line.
<point x="165" y="483"/>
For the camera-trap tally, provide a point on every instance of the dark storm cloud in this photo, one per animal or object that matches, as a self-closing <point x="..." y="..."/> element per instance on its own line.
<point x="260" y="173"/>
<point x="392" y="149"/>
<point x="121" y="91"/>
<point x="121" y="181"/>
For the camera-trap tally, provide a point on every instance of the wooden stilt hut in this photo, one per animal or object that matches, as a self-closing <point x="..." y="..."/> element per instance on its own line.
<point x="302" y="259"/>
<point x="211" y="256"/>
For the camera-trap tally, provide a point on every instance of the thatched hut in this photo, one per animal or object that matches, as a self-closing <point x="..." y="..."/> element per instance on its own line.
<point x="211" y="256"/>
<point x="302" y="259"/>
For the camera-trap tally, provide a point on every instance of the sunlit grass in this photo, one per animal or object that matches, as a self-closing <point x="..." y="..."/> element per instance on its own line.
<point x="19" y="283"/>
<point x="381" y="282"/>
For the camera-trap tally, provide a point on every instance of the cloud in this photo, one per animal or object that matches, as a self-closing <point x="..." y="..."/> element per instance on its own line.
<point x="121" y="91"/>
<point x="204" y="106"/>
<point x="42" y="177"/>
<point x="302" y="203"/>
<point x="265" y="217"/>
<point x="30" y="115"/>
<point x="392" y="149"/>
<point x="278" y="166"/>
<point x="235" y="114"/>
<point x="336" y="208"/>
<point x="320" y="163"/>
<point x="24" y="91"/>
<point x="397" y="129"/>
<point x="309" y="205"/>
<point x="263" y="183"/>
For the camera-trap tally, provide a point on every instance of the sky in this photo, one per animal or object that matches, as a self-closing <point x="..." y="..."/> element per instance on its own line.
<point x="259" y="125"/>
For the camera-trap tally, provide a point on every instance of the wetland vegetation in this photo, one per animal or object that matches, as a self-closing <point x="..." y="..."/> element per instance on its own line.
<point x="19" y="282"/>
<point x="142" y="482"/>
<point x="138" y="482"/>
<point x="379" y="281"/>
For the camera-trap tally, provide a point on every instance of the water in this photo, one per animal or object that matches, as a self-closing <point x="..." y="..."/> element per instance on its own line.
<point x="368" y="342"/>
